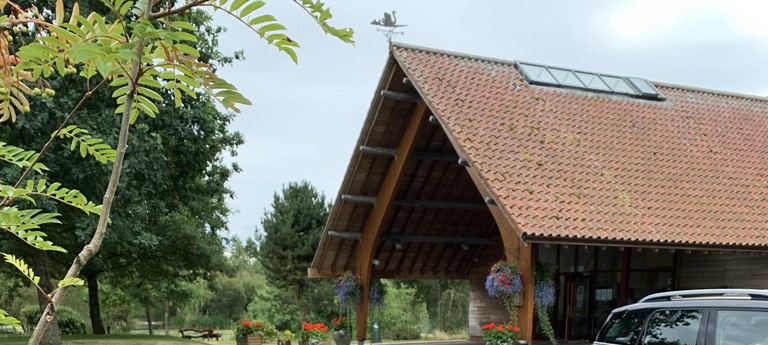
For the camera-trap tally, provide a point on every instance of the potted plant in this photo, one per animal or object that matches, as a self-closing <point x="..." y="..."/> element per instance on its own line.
<point x="313" y="334"/>
<point x="252" y="332"/>
<point x="500" y="334"/>
<point x="342" y="330"/>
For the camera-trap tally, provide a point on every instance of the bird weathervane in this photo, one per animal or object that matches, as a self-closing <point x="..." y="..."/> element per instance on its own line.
<point x="388" y="25"/>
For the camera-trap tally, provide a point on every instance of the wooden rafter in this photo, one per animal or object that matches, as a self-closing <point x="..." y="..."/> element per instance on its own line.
<point x="365" y="199"/>
<point x="373" y="224"/>
<point x="401" y="96"/>
<point x="425" y="155"/>
<point x="354" y="235"/>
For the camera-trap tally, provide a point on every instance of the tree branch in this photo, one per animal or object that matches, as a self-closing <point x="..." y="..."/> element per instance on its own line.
<point x="177" y="10"/>
<point x="47" y="145"/>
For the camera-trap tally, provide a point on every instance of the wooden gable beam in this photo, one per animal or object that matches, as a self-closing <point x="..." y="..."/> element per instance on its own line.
<point x="384" y="199"/>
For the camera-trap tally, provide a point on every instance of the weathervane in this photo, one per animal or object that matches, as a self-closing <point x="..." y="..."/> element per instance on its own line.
<point x="389" y="24"/>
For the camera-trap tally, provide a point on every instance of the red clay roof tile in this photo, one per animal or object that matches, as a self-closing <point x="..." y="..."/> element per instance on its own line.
<point x="574" y="164"/>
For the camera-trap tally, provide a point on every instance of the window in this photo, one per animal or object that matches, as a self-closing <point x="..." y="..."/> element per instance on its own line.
<point x="623" y="328"/>
<point x="618" y="85"/>
<point x="538" y="73"/>
<point x="592" y="81"/>
<point x="740" y="327"/>
<point x="673" y="327"/>
<point x="566" y="77"/>
<point x="573" y="79"/>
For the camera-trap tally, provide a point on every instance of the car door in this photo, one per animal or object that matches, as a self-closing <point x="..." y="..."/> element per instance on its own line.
<point x="676" y="327"/>
<point x="738" y="327"/>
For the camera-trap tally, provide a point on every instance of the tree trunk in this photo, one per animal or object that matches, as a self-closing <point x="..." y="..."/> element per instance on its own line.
<point x="93" y="303"/>
<point x="93" y="246"/>
<point x="167" y="316"/>
<point x="148" y="312"/>
<point x="52" y="335"/>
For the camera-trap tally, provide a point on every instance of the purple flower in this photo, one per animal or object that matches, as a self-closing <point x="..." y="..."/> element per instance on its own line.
<point x="377" y="292"/>
<point x="544" y="293"/>
<point x="503" y="280"/>
<point x="347" y="289"/>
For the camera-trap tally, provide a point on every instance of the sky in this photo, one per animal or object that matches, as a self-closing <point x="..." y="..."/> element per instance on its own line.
<point x="306" y="118"/>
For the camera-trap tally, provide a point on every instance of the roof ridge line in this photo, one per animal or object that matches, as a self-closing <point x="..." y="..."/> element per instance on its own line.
<point x="449" y="52"/>
<point x="712" y="91"/>
<point x="512" y="62"/>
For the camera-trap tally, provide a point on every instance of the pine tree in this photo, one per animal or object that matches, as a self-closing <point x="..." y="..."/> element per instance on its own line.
<point x="292" y="232"/>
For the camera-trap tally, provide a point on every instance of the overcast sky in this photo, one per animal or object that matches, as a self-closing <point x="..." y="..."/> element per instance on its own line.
<point x="306" y="119"/>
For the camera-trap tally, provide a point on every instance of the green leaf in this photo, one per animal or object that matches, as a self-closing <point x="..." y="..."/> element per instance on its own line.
<point x="180" y="24"/>
<point x="262" y="19"/>
<point x="6" y="319"/>
<point x="70" y="281"/>
<point x="22" y="267"/>
<point x="253" y="6"/>
<point x="237" y="4"/>
<point x="102" y="152"/>
<point x="20" y="157"/>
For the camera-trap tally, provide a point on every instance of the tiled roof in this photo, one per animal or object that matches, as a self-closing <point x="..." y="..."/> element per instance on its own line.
<point x="574" y="165"/>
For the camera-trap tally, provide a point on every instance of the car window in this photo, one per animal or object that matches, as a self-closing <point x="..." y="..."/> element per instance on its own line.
<point x="623" y="328"/>
<point x="741" y="327"/>
<point x="673" y="327"/>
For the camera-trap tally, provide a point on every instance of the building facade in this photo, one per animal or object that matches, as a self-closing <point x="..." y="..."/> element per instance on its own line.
<point x="627" y="187"/>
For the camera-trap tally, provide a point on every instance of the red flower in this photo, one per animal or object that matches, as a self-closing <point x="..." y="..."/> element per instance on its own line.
<point x="246" y="323"/>
<point x="500" y="328"/>
<point x="509" y="328"/>
<point x="517" y="329"/>
<point x="493" y="325"/>
<point x="257" y="325"/>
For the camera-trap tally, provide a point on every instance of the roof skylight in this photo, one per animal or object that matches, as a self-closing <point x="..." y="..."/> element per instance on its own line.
<point x="568" y="78"/>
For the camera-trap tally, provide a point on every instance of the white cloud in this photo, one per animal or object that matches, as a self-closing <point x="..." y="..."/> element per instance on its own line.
<point x="657" y="18"/>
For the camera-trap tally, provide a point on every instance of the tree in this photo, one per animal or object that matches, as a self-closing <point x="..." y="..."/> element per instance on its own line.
<point x="438" y="295"/>
<point x="292" y="230"/>
<point x="139" y="51"/>
<point x="175" y="169"/>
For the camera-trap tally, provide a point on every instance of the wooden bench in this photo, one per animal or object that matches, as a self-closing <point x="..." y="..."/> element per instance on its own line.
<point x="206" y="334"/>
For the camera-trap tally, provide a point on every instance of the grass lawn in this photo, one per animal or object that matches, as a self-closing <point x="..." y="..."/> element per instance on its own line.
<point x="119" y="340"/>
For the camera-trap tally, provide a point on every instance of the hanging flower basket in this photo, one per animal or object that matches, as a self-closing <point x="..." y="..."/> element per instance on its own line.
<point x="504" y="281"/>
<point x="377" y="292"/>
<point x="347" y="289"/>
<point x="543" y="298"/>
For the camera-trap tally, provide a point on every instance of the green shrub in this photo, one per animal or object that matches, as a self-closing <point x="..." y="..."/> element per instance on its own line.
<point x="405" y="333"/>
<point x="70" y="321"/>
<point x="29" y="316"/>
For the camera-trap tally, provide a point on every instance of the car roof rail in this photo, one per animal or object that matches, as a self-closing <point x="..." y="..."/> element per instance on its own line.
<point x="706" y="293"/>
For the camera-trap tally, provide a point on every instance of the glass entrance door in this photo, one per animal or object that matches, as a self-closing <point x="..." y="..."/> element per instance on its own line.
<point x="579" y="306"/>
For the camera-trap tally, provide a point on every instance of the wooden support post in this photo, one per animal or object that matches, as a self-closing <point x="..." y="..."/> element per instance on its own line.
<point x="527" y="266"/>
<point x="384" y="199"/>
<point x="515" y="250"/>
